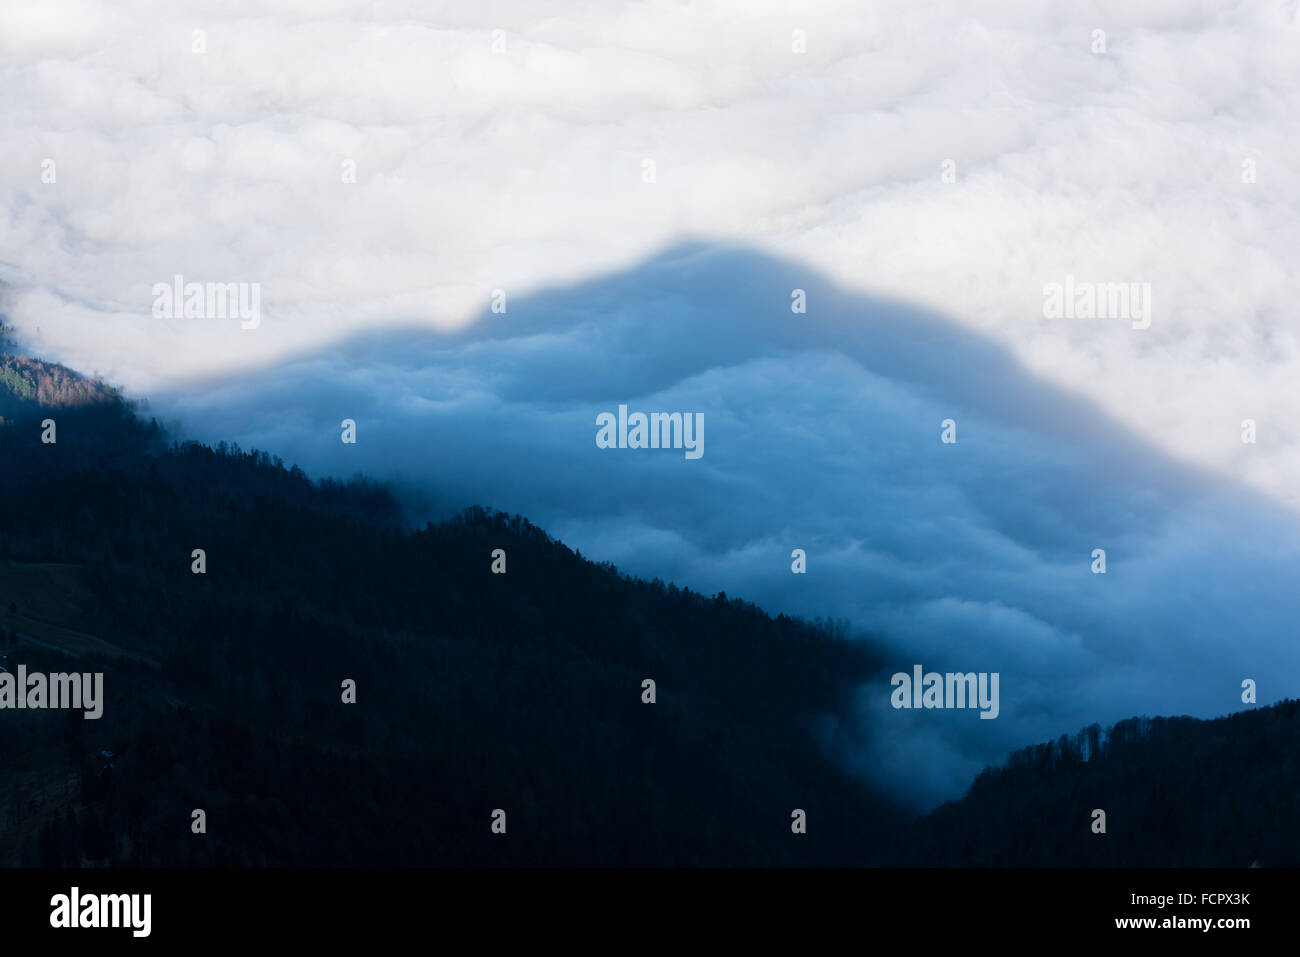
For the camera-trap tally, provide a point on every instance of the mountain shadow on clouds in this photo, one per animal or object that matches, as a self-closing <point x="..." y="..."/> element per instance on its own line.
<point x="822" y="432"/>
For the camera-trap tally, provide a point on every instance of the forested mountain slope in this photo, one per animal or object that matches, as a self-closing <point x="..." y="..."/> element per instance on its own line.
<point x="477" y="691"/>
<point x="1175" y="792"/>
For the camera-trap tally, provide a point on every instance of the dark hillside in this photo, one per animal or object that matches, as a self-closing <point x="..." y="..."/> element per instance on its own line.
<point x="475" y="691"/>
<point x="1176" y="792"/>
<point x="478" y="691"/>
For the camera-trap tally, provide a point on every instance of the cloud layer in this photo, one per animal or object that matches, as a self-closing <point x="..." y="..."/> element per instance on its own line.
<point x="823" y="433"/>
<point x="496" y="147"/>
<point x="501" y="147"/>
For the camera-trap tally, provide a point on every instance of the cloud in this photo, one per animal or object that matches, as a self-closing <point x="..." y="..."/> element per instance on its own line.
<point x="823" y="432"/>
<point x="500" y="147"/>
<point x="518" y="161"/>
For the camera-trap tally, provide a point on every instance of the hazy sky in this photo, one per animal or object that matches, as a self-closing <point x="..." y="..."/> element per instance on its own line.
<point x="549" y="155"/>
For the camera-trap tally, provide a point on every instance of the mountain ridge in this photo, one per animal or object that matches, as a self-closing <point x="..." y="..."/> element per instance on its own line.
<point x="521" y="691"/>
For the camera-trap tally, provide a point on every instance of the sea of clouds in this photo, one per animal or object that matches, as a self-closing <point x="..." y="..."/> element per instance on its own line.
<point x="506" y="146"/>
